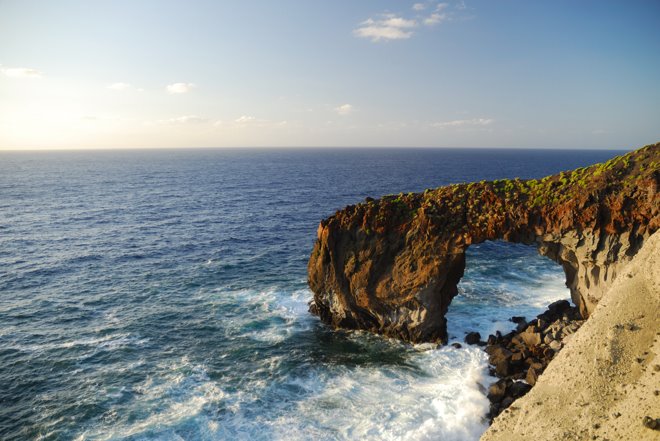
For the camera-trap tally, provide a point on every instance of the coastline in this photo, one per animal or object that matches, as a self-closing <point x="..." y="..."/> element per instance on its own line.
<point x="391" y="266"/>
<point x="604" y="383"/>
<point x="519" y="357"/>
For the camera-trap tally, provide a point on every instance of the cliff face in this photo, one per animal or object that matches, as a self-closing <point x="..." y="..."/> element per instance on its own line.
<point x="392" y="265"/>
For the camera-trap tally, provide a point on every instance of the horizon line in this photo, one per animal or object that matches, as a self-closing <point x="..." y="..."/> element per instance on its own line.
<point x="325" y="147"/>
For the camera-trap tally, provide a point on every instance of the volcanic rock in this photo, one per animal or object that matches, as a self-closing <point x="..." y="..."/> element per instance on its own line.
<point x="392" y="265"/>
<point x="473" y="338"/>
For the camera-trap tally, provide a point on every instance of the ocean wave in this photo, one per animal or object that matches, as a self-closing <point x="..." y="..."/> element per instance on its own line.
<point x="106" y="343"/>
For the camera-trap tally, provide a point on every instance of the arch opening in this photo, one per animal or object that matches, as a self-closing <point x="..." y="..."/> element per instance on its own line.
<point x="503" y="279"/>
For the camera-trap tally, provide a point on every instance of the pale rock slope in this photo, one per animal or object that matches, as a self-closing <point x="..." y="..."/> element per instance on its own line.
<point x="607" y="378"/>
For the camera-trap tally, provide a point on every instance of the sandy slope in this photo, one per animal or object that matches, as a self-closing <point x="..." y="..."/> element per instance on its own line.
<point x="603" y="383"/>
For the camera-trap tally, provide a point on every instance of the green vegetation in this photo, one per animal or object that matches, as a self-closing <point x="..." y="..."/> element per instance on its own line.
<point x="481" y="204"/>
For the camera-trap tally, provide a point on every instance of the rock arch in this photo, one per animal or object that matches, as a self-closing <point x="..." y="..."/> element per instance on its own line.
<point x="392" y="265"/>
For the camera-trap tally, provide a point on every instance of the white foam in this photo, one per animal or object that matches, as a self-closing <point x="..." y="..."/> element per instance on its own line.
<point x="179" y="395"/>
<point x="424" y="394"/>
<point x="440" y="399"/>
<point x="288" y="308"/>
<point x="107" y="342"/>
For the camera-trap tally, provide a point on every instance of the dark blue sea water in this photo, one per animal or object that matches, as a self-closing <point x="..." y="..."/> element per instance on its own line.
<point x="162" y="295"/>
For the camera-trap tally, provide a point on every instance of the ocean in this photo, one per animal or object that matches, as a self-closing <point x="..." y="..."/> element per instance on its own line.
<point x="162" y="295"/>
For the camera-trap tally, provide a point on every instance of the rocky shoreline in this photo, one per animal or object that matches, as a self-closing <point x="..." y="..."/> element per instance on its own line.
<point x="519" y="357"/>
<point x="392" y="265"/>
<point x="603" y="384"/>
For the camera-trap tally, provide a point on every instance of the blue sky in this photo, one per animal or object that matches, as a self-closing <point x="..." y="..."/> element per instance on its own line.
<point x="103" y="74"/>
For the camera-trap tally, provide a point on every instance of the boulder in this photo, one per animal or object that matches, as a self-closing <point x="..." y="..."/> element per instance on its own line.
<point x="503" y="368"/>
<point x="518" y="389"/>
<point x="496" y="391"/>
<point x="532" y="376"/>
<point x="531" y="338"/>
<point x="559" y="307"/>
<point x="473" y="338"/>
<point x="498" y="353"/>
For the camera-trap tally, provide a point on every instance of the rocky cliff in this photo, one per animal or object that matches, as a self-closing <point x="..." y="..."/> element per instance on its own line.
<point x="392" y="265"/>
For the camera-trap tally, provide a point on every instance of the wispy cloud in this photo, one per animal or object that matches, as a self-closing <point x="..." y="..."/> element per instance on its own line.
<point x="344" y="109"/>
<point x="434" y="19"/>
<point x="474" y="122"/>
<point x="180" y="120"/>
<point x="188" y="119"/>
<point x="245" y="119"/>
<point x="119" y="86"/>
<point x="178" y="88"/>
<point x="388" y="27"/>
<point x="20" y="72"/>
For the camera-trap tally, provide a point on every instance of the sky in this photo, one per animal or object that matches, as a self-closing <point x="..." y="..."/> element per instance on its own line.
<point x="344" y="73"/>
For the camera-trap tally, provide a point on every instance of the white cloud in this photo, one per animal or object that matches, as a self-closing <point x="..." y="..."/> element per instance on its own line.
<point x="188" y="119"/>
<point x="390" y="27"/>
<point x="119" y="86"/>
<point x="434" y="19"/>
<point x="177" y="88"/>
<point x="20" y="72"/>
<point x="245" y="119"/>
<point x="181" y="120"/>
<point x="399" y="22"/>
<point x="252" y="122"/>
<point x="474" y="122"/>
<point x="344" y="109"/>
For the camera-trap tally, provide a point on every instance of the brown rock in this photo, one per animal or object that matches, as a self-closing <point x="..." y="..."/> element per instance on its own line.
<point x="496" y="391"/>
<point x="503" y="368"/>
<point x="498" y="354"/>
<point x="392" y="265"/>
<point x="531" y="338"/>
<point x="532" y="376"/>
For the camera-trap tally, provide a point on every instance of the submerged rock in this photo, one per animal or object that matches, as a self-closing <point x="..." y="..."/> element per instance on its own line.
<point x="392" y="265"/>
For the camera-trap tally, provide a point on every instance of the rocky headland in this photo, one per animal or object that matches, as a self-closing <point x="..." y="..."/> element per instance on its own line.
<point x="392" y="265"/>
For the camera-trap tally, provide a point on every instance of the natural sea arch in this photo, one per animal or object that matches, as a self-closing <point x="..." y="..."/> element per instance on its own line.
<point x="392" y="265"/>
<point x="503" y="279"/>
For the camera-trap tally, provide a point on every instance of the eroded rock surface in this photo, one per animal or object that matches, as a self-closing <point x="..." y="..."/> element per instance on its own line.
<point x="392" y="265"/>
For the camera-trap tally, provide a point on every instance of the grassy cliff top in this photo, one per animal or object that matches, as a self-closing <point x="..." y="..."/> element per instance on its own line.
<point x="606" y="194"/>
